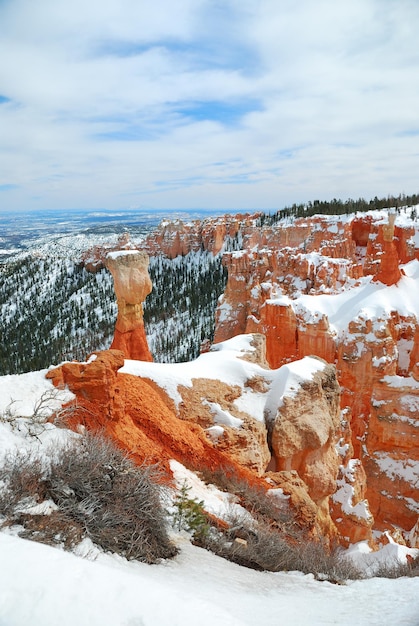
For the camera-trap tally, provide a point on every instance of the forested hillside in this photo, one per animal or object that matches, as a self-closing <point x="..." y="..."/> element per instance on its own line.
<point x="53" y="309"/>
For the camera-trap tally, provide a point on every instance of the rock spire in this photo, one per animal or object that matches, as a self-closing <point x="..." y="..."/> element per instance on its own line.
<point x="132" y="285"/>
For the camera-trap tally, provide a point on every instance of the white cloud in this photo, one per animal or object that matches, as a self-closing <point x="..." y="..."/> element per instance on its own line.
<point x="101" y="95"/>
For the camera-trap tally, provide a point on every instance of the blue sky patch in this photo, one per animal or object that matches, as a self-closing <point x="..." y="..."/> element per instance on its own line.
<point x="412" y="132"/>
<point x="4" y="99"/>
<point x="121" y="49"/>
<point x="228" y="113"/>
<point x="200" y="55"/>
<point x="127" y="132"/>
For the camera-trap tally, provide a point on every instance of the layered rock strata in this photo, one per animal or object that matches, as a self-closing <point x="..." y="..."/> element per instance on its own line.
<point x="300" y="297"/>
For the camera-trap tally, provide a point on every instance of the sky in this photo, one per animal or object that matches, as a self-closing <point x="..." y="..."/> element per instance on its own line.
<point x="206" y="103"/>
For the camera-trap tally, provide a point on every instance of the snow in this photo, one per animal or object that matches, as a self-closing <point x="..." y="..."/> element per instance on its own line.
<point x="227" y="367"/>
<point x="405" y="347"/>
<point x="224" y="310"/>
<point x="287" y="382"/>
<point x="219" y="503"/>
<point x="20" y="393"/>
<point x="406" y="469"/>
<point x="225" y="363"/>
<point x="221" y="416"/>
<point x="345" y="492"/>
<point x="43" y="586"/>
<point x="400" y="381"/>
<point x="368" y="301"/>
<point x="120" y="253"/>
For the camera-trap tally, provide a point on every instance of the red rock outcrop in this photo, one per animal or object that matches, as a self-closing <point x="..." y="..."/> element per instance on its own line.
<point x="132" y="284"/>
<point x="264" y="294"/>
<point x="391" y="452"/>
<point x="304" y="438"/>
<point x="210" y="429"/>
<point x="389" y="272"/>
<point x="131" y="411"/>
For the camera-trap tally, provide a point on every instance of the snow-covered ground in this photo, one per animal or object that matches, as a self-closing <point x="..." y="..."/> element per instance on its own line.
<point x="45" y="586"/>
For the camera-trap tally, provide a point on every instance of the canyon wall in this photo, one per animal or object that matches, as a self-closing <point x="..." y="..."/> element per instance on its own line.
<point x="342" y="289"/>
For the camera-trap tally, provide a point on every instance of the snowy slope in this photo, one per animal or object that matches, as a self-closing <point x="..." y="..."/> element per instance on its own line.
<point x="43" y="586"/>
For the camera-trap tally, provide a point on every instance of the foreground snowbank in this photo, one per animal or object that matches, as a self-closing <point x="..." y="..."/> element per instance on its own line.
<point x="43" y="586"/>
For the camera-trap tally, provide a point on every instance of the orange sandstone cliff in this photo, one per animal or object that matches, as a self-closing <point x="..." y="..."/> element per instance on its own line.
<point x="315" y="296"/>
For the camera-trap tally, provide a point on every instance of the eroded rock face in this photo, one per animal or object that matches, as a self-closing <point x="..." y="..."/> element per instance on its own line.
<point x="135" y="414"/>
<point x="132" y="284"/>
<point x="217" y="424"/>
<point x="304" y="435"/>
<point x="268" y="280"/>
<point x="391" y="453"/>
<point x="272" y="289"/>
<point x="349" y="507"/>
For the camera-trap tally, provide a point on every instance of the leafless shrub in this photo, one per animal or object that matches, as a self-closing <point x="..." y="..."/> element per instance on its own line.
<point x="273" y="541"/>
<point x="8" y="415"/>
<point x="48" y="407"/>
<point x="98" y="491"/>
<point x="53" y="529"/>
<point x="263" y="547"/>
<point x="388" y="569"/>
<point x="22" y="478"/>
<point x="256" y="499"/>
<point x="326" y="563"/>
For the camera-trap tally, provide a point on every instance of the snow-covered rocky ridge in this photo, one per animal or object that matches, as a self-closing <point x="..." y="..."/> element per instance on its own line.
<point x="308" y="285"/>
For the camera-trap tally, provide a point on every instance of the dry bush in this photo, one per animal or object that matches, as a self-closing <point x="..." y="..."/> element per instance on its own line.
<point x="117" y="503"/>
<point x="326" y="563"/>
<point x="254" y="498"/>
<point x="398" y="570"/>
<point x="21" y="481"/>
<point x="264" y="547"/>
<point x="274" y="541"/>
<point x="53" y="529"/>
<point x="98" y="490"/>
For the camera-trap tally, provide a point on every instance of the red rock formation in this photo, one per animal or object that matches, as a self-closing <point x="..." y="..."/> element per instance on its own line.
<point x="131" y="411"/>
<point x="132" y="284"/>
<point x="139" y="417"/>
<point x="389" y="272"/>
<point x="365" y="353"/>
<point x="305" y="432"/>
<point x="349" y="507"/>
<point x="142" y="418"/>
<point x="391" y="452"/>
